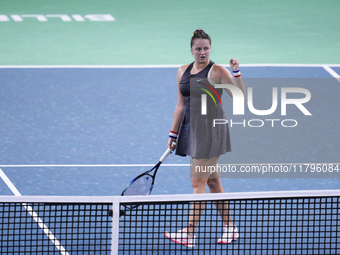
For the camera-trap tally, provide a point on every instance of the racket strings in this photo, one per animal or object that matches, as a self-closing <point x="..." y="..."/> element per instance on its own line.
<point x="141" y="186"/>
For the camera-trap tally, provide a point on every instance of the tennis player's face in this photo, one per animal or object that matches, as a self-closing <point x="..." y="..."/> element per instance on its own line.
<point x="201" y="50"/>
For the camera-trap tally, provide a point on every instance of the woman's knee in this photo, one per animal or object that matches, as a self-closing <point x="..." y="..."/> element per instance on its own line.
<point x="198" y="182"/>
<point x="215" y="185"/>
<point x="212" y="182"/>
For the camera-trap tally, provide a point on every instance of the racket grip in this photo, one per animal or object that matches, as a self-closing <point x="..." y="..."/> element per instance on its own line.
<point x="166" y="153"/>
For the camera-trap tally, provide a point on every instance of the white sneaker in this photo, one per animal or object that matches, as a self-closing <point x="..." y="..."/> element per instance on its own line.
<point x="229" y="234"/>
<point x="181" y="237"/>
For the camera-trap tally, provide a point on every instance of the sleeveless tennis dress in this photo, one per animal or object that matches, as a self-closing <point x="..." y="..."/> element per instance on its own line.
<point x="197" y="136"/>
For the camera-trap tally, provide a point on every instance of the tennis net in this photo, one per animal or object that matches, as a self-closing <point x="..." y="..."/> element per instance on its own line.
<point x="290" y="222"/>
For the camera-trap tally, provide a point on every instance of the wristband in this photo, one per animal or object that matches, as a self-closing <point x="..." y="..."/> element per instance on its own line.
<point x="237" y="73"/>
<point x="173" y="135"/>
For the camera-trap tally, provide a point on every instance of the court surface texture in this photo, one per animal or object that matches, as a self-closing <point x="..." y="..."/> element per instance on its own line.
<point x="88" y="91"/>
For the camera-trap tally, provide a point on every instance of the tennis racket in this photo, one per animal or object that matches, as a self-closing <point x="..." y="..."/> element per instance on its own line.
<point x="143" y="183"/>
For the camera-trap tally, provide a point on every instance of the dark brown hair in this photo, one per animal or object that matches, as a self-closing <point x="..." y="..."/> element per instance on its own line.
<point x="199" y="34"/>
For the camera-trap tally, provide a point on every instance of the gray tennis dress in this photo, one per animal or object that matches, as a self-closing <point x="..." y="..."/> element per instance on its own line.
<point x="197" y="136"/>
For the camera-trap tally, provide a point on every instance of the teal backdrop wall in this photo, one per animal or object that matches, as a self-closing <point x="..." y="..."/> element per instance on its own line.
<point x="151" y="32"/>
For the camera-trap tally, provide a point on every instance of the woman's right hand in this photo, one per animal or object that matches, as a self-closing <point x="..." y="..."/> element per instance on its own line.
<point x="172" y="144"/>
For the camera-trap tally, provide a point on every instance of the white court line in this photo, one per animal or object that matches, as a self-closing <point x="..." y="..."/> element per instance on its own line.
<point x="33" y="214"/>
<point x="150" y="165"/>
<point x="9" y="183"/>
<point x="94" y="165"/>
<point x="331" y="72"/>
<point x="160" y="66"/>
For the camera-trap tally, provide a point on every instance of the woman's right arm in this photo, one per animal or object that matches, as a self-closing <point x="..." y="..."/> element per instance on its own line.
<point x="179" y="108"/>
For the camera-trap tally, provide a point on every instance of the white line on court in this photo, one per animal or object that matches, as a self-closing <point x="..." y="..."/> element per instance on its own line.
<point x="331" y="72"/>
<point x="9" y="183"/>
<point x="150" y="165"/>
<point x="93" y="165"/>
<point x="160" y="66"/>
<point x="33" y="214"/>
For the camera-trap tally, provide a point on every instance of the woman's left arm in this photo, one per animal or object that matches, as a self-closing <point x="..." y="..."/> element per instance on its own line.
<point x="222" y="76"/>
<point x="234" y="65"/>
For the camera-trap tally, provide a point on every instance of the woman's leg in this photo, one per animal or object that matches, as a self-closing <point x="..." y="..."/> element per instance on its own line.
<point x="230" y="232"/>
<point x="215" y="186"/>
<point x="199" y="177"/>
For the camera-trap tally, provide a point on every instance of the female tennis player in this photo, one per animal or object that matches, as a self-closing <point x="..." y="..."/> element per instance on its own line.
<point x="195" y="135"/>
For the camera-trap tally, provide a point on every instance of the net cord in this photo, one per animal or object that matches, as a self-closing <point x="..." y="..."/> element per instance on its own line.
<point x="175" y="197"/>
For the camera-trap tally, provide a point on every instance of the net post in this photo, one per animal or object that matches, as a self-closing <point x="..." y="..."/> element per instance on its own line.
<point x="115" y="225"/>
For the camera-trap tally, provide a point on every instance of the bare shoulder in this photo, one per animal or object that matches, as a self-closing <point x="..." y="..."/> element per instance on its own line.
<point x="219" y="71"/>
<point x="181" y="70"/>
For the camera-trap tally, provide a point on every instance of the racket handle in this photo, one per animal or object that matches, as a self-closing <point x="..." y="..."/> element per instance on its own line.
<point x="166" y="153"/>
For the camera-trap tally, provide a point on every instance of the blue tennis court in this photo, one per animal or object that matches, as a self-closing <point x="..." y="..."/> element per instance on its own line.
<point x="88" y="131"/>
